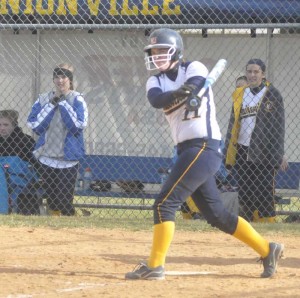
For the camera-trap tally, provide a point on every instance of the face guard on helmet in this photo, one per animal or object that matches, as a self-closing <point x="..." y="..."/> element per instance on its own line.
<point x="155" y="61"/>
<point x="163" y="39"/>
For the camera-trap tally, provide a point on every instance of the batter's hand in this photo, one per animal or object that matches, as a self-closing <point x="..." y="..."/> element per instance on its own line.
<point x="184" y="91"/>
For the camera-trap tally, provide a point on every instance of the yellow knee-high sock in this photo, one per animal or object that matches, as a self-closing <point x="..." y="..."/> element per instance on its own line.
<point x="162" y="237"/>
<point x="256" y="218"/>
<point x="192" y="205"/>
<point x="247" y="234"/>
<point x="266" y="219"/>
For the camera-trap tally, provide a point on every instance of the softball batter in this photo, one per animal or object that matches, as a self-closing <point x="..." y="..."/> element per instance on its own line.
<point x="196" y="133"/>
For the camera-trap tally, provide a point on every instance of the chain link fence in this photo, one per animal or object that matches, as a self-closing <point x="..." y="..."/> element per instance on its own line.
<point x="127" y="142"/>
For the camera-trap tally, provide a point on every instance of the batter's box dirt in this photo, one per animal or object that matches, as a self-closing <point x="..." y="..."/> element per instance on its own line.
<point x="40" y="262"/>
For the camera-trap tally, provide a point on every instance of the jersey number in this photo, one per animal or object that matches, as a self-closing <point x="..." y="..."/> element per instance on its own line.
<point x="186" y="113"/>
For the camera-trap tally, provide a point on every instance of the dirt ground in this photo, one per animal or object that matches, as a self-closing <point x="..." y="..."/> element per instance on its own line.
<point x="36" y="262"/>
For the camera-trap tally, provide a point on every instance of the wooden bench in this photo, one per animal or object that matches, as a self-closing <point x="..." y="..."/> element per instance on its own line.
<point x="147" y="170"/>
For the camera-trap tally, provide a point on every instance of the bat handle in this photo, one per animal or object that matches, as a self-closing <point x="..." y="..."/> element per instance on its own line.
<point x="208" y="82"/>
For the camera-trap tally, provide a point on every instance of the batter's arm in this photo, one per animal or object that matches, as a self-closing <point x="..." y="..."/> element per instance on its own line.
<point x="159" y="99"/>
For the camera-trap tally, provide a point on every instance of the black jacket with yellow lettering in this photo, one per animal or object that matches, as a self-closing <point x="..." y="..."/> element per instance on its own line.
<point x="267" y="140"/>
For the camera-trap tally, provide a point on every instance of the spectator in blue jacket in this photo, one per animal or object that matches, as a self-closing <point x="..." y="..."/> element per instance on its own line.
<point x="58" y="118"/>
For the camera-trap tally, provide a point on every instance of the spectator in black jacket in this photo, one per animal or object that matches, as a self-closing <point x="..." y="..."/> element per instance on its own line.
<point x="255" y="142"/>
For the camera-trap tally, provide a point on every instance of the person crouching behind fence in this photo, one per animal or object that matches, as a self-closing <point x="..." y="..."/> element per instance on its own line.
<point x="16" y="154"/>
<point x="13" y="141"/>
<point x="59" y="118"/>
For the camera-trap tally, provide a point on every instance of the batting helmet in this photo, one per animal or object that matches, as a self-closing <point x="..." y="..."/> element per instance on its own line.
<point x="164" y="39"/>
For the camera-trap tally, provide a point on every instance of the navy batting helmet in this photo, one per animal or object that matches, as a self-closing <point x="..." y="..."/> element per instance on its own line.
<point x="164" y="38"/>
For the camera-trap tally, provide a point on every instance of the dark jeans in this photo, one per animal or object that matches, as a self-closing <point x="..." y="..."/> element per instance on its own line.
<point x="256" y="186"/>
<point x="58" y="186"/>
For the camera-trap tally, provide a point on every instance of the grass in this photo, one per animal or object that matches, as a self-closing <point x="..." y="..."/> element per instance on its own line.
<point x="130" y="219"/>
<point x="294" y="206"/>
<point x="133" y="224"/>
